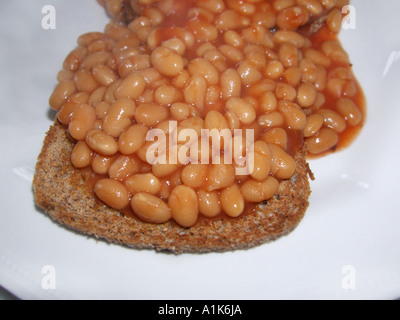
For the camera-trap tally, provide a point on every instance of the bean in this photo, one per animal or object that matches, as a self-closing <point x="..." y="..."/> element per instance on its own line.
<point x="333" y="120"/>
<point x="292" y="76"/>
<point x="195" y="91"/>
<point x="82" y="121"/>
<point x="155" y="16"/>
<point x="113" y="193"/>
<point x="276" y="136"/>
<point x="194" y="175"/>
<point x="244" y="111"/>
<point x="215" y="120"/>
<point x="313" y="6"/>
<point x="85" y="39"/>
<point x="321" y="76"/>
<point x="248" y="73"/>
<point x="220" y="176"/>
<point x="145" y="182"/>
<point x="292" y="37"/>
<point x="233" y="38"/>
<point x="285" y="91"/>
<point x="184" y="205"/>
<point x="205" y="69"/>
<point x="274" y="69"/>
<point x="260" y="87"/>
<point x="232" y="201"/>
<point x="166" y="95"/>
<point x="141" y="26"/>
<point x="81" y="155"/>
<point x="313" y="124"/>
<point x="150" y="208"/>
<point x="61" y="93"/>
<point x="215" y="6"/>
<point x="162" y="170"/>
<point x="306" y="95"/>
<point x="209" y="203"/>
<point x="317" y="57"/>
<point x="131" y="140"/>
<point x="233" y="54"/>
<point x="151" y="114"/>
<point x="308" y="71"/>
<point x="272" y="119"/>
<point x="280" y="5"/>
<point x="167" y="61"/>
<point x="74" y="59"/>
<point x="349" y="110"/>
<point x="65" y="113"/>
<point x="101" y="164"/>
<point x="94" y="59"/>
<point x="116" y="31"/>
<point x="231" y="84"/>
<point x="131" y="87"/>
<point x="230" y="20"/>
<point x="327" y="139"/>
<point x="104" y="75"/>
<point x="123" y="167"/>
<point x="292" y="18"/>
<point x="288" y="55"/>
<point x="293" y="114"/>
<point x="175" y="44"/>
<point x="242" y="7"/>
<point x="63" y="75"/>
<point x="334" y="20"/>
<point x="97" y="96"/>
<point x="119" y="117"/>
<point x="101" y="143"/>
<point x="262" y="166"/>
<point x="232" y="120"/>
<point x="180" y="111"/>
<point x="283" y="165"/>
<point x="203" y="31"/>
<point x="256" y="34"/>
<point x="113" y="6"/>
<point x="334" y="50"/>
<point x="267" y="19"/>
<point x="256" y="191"/>
<point x="195" y="123"/>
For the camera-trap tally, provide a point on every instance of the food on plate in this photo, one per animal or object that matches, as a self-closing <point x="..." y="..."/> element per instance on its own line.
<point x="186" y="125"/>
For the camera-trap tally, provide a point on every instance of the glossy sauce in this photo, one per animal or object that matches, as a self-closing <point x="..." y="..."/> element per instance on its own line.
<point x="346" y="137"/>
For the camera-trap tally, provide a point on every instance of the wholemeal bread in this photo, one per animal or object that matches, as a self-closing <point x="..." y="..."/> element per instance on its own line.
<point x="64" y="194"/>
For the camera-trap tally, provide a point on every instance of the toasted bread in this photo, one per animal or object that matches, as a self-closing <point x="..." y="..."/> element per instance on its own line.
<point x="63" y="193"/>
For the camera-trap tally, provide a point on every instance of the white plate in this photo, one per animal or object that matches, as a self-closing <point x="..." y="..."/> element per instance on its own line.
<point x="347" y="246"/>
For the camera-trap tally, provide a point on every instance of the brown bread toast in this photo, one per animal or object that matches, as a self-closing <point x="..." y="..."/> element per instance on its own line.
<point x="65" y="196"/>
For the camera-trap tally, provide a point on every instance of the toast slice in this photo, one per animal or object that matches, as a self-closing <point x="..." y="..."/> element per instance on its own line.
<point x="64" y="194"/>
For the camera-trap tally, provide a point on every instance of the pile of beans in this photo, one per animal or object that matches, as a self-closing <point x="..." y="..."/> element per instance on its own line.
<point x="232" y="64"/>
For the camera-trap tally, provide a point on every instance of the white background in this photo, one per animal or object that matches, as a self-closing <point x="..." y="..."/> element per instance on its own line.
<point x="353" y="219"/>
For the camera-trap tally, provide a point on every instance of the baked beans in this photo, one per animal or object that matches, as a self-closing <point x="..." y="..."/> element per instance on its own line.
<point x="205" y="64"/>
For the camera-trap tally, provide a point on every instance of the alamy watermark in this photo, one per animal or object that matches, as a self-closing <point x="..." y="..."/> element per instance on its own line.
<point x="349" y="278"/>
<point x="49" y="19"/>
<point x="215" y="146"/>
<point x="49" y="277"/>
<point x="349" y="21"/>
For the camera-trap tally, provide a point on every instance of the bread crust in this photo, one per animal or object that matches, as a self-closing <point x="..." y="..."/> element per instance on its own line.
<point x="63" y="193"/>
